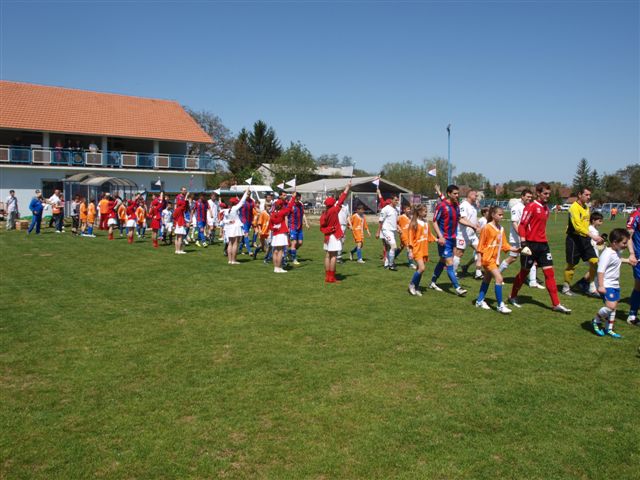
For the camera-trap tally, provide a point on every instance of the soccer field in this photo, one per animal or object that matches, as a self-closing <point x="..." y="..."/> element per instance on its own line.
<point x="124" y="361"/>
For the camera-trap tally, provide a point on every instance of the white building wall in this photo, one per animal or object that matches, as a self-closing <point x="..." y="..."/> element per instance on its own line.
<point x="26" y="179"/>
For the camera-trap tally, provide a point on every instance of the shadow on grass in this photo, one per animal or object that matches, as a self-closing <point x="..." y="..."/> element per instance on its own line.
<point x="587" y="326"/>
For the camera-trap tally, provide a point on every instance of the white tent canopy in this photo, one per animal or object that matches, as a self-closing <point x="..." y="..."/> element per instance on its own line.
<point x="358" y="184"/>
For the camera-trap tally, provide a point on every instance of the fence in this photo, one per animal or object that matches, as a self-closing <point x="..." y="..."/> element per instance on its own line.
<point x="111" y="159"/>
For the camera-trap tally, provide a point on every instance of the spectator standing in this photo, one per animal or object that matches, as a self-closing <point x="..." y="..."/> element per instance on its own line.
<point x="11" y="205"/>
<point x="36" y="206"/>
<point x="57" y="210"/>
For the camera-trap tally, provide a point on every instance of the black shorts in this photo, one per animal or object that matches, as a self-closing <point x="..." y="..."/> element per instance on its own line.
<point x="540" y="255"/>
<point x="579" y="248"/>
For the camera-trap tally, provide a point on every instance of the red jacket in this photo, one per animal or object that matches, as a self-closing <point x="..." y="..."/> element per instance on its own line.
<point x="329" y="223"/>
<point x="277" y="219"/>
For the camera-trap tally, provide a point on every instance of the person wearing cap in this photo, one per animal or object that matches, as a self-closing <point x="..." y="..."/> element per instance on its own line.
<point x="233" y="226"/>
<point x="330" y="226"/>
<point x="179" y="222"/>
<point x="280" y="231"/>
<point x="155" y="212"/>
<point x="36" y="206"/>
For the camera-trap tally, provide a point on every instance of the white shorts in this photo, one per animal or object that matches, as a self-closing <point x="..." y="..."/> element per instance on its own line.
<point x="180" y="231"/>
<point x="131" y="224"/>
<point x="514" y="244"/>
<point x="333" y="244"/>
<point x="211" y="223"/>
<point x="168" y="227"/>
<point x="280" y="240"/>
<point x="112" y="221"/>
<point x="462" y="241"/>
<point x="389" y="236"/>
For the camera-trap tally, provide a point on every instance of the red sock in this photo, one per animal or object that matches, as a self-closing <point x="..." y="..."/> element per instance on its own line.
<point x="518" y="282"/>
<point x="155" y="244"/>
<point x="130" y="239"/>
<point x="110" y="236"/>
<point x="327" y="276"/>
<point x="552" y="288"/>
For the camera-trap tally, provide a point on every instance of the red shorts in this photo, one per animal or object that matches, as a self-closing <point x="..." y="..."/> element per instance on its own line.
<point x="155" y="224"/>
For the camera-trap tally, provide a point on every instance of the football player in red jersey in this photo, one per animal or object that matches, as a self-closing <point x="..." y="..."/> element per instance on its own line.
<point x="533" y="236"/>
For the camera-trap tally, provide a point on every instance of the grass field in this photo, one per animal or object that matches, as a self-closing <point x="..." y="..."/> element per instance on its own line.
<point x="121" y="361"/>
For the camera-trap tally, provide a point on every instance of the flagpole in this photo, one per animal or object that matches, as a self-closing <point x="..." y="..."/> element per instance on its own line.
<point x="449" y="154"/>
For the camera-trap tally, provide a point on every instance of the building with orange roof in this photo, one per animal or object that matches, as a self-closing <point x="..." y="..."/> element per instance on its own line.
<point x="49" y="135"/>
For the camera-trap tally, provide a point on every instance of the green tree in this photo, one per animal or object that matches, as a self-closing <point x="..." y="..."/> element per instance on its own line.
<point x="242" y="156"/>
<point x="472" y="179"/>
<point x="415" y="177"/>
<point x="296" y="161"/>
<point x="582" y="178"/>
<point x="263" y="144"/>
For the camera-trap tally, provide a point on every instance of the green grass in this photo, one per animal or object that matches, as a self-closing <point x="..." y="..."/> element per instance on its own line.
<point x="122" y="361"/>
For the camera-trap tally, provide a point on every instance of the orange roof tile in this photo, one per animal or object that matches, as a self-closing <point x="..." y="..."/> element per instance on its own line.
<point x="25" y="106"/>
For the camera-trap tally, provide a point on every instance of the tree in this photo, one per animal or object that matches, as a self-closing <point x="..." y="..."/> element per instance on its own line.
<point x="263" y="144"/>
<point x="223" y="141"/>
<point x="328" y="160"/>
<point x="415" y="177"/>
<point x="296" y="161"/>
<point x="582" y="178"/>
<point x="472" y="179"/>
<point x="242" y="156"/>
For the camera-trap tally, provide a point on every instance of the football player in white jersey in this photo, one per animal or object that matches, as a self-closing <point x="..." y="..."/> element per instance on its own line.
<point x="467" y="233"/>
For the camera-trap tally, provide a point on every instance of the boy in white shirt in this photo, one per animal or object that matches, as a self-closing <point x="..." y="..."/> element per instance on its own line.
<point x="167" y="224"/>
<point x="466" y="235"/>
<point x="387" y="227"/>
<point x="609" y="281"/>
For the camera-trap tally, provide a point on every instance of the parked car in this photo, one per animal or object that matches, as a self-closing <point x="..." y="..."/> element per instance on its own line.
<point x="565" y="207"/>
<point x="629" y="210"/>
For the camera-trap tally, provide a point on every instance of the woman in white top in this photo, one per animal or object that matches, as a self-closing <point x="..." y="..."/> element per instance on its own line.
<point x="233" y="226"/>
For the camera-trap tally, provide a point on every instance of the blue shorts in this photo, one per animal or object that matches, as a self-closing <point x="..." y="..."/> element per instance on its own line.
<point x="296" y="235"/>
<point x="611" y="295"/>
<point x="636" y="272"/>
<point x="446" y="250"/>
<point x="246" y="226"/>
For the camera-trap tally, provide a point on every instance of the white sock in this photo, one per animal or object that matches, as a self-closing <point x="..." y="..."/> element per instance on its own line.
<point x="456" y="262"/>
<point x="503" y="266"/>
<point x="533" y="275"/>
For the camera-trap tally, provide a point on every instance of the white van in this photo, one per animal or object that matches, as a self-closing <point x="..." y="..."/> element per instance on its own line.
<point x="258" y="192"/>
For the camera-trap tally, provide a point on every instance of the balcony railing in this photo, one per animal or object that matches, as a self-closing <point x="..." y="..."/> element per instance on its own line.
<point x="86" y="158"/>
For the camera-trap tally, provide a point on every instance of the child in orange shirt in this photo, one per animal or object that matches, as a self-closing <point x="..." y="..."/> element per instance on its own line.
<point x="83" y="217"/>
<point x="358" y="226"/>
<point x="493" y="241"/>
<point x="91" y="217"/>
<point x="262" y="229"/>
<point x="122" y="217"/>
<point x="418" y="237"/>
<point x="403" y="228"/>
<point x="141" y="219"/>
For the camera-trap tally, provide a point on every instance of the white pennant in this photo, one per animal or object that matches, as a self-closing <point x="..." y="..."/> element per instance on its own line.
<point x="376" y="181"/>
<point x="281" y="186"/>
<point x="249" y="180"/>
<point x="292" y="183"/>
<point x="432" y="172"/>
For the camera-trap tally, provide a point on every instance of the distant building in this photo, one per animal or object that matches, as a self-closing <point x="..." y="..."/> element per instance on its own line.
<point x="51" y="134"/>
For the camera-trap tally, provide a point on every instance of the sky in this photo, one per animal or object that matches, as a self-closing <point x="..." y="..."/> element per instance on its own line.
<point x="529" y="87"/>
